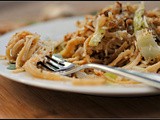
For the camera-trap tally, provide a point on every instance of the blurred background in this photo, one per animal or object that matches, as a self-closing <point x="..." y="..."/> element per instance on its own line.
<point x="17" y="14"/>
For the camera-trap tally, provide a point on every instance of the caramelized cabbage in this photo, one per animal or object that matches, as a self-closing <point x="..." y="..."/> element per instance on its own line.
<point x="110" y="75"/>
<point x="99" y="31"/>
<point x="147" y="45"/>
<point x="138" y="20"/>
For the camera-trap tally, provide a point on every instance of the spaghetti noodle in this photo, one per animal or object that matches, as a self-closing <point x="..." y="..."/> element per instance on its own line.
<point x="114" y="37"/>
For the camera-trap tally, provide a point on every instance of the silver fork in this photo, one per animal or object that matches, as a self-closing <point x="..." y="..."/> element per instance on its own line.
<point x="65" y="68"/>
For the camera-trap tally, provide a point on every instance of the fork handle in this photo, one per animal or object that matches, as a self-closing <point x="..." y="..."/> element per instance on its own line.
<point x="151" y="79"/>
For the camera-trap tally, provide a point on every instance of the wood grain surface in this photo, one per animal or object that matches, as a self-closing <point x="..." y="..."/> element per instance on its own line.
<point x="23" y="101"/>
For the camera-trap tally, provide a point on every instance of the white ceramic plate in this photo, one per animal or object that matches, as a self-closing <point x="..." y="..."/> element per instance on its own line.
<point x="55" y="30"/>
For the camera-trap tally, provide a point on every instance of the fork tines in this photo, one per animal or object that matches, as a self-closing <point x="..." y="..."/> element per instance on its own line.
<point x="54" y="64"/>
<point x="51" y="63"/>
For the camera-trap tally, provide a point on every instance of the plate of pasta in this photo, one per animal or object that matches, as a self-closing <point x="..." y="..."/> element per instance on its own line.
<point x="125" y="36"/>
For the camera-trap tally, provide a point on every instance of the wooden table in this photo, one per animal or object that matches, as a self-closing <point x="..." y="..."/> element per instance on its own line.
<point x="22" y="101"/>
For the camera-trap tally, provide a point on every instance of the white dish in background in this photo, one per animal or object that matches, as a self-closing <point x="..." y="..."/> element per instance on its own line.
<point x="55" y="30"/>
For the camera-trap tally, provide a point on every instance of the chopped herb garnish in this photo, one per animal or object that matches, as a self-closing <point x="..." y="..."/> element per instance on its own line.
<point x="11" y="66"/>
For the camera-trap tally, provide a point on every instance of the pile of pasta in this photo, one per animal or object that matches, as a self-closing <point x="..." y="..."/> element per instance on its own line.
<point x="118" y="35"/>
<point x="25" y="49"/>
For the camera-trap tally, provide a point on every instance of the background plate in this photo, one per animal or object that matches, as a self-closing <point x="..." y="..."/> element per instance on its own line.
<point x="55" y="30"/>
